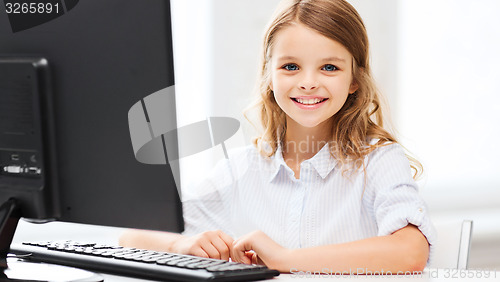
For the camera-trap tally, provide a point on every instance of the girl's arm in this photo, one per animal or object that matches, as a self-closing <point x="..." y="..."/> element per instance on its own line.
<point x="210" y="244"/>
<point x="405" y="250"/>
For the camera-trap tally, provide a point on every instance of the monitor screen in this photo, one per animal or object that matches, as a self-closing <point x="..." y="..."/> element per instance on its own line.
<point x="94" y="60"/>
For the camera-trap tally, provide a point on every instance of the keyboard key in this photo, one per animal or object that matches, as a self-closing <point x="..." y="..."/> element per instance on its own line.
<point x="152" y="258"/>
<point x="133" y="255"/>
<point x="83" y="245"/>
<point x="124" y="253"/>
<point x="185" y="263"/>
<point x="163" y="261"/>
<point x="206" y="265"/>
<point x="175" y="261"/>
<point x="42" y="244"/>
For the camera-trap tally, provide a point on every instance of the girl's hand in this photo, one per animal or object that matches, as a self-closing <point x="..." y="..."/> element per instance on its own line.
<point x="209" y="244"/>
<point x="258" y="248"/>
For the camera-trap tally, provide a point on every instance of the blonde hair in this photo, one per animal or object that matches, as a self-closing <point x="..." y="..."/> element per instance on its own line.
<point x="361" y="117"/>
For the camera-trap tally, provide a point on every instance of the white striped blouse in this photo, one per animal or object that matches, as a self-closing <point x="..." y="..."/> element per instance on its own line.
<point x="248" y="192"/>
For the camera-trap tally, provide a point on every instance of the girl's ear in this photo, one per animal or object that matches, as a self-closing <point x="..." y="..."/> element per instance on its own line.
<point x="356" y="72"/>
<point x="354" y="87"/>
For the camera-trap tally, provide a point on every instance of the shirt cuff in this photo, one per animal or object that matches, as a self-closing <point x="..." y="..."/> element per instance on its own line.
<point x="413" y="214"/>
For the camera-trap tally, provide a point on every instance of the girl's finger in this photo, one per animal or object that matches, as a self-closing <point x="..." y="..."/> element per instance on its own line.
<point x="221" y="247"/>
<point x="211" y="250"/>
<point x="199" y="252"/>
<point x="255" y="258"/>
<point x="238" y="253"/>
<point x="227" y="239"/>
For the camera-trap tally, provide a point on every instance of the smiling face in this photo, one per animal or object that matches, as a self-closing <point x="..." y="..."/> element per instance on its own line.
<point x="311" y="76"/>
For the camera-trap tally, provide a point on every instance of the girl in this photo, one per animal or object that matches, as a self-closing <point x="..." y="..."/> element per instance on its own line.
<point x="325" y="187"/>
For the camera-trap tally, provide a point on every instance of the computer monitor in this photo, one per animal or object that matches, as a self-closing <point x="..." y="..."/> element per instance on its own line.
<point x="67" y="83"/>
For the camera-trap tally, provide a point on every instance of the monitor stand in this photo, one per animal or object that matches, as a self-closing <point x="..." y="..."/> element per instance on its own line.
<point x="17" y="269"/>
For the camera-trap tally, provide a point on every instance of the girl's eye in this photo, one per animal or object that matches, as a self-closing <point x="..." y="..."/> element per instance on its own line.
<point x="329" y="67"/>
<point x="291" y="67"/>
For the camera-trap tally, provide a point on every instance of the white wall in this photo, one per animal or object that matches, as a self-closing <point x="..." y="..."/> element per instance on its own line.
<point x="449" y="95"/>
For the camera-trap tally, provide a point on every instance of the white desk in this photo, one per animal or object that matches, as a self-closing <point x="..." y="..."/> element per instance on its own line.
<point x="429" y="275"/>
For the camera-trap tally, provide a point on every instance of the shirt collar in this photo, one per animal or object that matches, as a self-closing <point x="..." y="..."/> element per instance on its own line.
<point x="323" y="163"/>
<point x="278" y="164"/>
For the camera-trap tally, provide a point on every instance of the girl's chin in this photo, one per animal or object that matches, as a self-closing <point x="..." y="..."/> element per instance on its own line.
<point x="308" y="121"/>
<point x="312" y="124"/>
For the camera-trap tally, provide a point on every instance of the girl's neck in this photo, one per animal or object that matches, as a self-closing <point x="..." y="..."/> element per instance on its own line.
<point x="302" y="143"/>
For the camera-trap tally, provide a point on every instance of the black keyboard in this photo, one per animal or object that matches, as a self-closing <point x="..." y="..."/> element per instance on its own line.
<point x="140" y="263"/>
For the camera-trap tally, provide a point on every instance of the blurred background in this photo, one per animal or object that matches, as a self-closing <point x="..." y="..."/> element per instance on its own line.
<point x="436" y="61"/>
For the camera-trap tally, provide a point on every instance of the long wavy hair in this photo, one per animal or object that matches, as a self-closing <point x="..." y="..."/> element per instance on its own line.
<point x="361" y="117"/>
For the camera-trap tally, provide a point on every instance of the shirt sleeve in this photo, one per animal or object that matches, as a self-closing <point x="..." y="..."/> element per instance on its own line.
<point x="396" y="201"/>
<point x="206" y="203"/>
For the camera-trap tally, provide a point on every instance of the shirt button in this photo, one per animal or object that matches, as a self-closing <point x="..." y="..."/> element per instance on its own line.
<point x="421" y="210"/>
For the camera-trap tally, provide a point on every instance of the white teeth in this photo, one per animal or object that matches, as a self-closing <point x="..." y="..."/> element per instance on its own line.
<point x="309" y="101"/>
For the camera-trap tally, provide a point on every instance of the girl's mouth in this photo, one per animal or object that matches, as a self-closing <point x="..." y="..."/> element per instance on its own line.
<point x="308" y="102"/>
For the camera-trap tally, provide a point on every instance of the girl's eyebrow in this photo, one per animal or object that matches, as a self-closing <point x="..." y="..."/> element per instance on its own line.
<point x="329" y="59"/>
<point x="336" y="59"/>
<point x="286" y="58"/>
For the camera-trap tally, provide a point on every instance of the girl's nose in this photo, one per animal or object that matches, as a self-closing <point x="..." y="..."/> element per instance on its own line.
<point x="308" y="86"/>
<point x="308" y="82"/>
